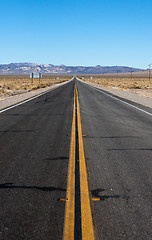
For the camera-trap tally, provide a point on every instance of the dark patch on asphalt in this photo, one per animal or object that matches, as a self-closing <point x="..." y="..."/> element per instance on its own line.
<point x="129" y="149"/>
<point x="11" y="186"/>
<point x="97" y="194"/>
<point x="57" y="158"/>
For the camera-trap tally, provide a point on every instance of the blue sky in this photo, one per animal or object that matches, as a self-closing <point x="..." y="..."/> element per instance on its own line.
<point x="76" y="32"/>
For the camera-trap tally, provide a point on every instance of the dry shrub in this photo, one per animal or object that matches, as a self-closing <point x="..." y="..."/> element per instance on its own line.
<point x="121" y="82"/>
<point x="19" y="84"/>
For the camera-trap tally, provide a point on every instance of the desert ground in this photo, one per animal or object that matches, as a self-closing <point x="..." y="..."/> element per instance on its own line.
<point x="13" y="85"/>
<point x="139" y="85"/>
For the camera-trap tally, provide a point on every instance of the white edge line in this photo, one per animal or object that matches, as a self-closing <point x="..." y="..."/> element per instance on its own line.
<point x="118" y="99"/>
<point x="29" y="99"/>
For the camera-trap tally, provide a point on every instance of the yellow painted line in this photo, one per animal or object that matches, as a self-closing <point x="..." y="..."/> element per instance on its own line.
<point x="86" y="215"/>
<point x="63" y="199"/>
<point x="96" y="199"/>
<point x="68" y="232"/>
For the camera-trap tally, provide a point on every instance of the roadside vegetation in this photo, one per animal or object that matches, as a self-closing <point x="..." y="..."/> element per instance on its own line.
<point x="120" y="82"/>
<point x="12" y="85"/>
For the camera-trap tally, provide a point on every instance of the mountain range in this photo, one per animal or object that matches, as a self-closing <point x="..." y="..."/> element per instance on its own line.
<point x="26" y="68"/>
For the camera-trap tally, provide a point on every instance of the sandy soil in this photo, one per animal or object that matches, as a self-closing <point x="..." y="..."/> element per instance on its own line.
<point x="14" y="85"/>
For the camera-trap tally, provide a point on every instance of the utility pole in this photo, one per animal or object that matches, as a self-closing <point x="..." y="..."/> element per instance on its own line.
<point x="149" y="71"/>
<point x="131" y="73"/>
<point x="32" y="79"/>
<point x="117" y="73"/>
<point x="39" y="78"/>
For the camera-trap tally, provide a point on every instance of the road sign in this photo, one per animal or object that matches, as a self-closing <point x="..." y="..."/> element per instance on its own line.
<point x="35" y="75"/>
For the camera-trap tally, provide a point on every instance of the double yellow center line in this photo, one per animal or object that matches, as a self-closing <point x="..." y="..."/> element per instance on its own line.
<point x="85" y="231"/>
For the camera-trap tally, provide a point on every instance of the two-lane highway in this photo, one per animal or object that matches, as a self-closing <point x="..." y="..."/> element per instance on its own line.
<point x="119" y="158"/>
<point x="37" y="140"/>
<point x="34" y="153"/>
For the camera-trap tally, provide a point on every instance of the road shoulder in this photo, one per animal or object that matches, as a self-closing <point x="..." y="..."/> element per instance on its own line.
<point x="134" y="97"/>
<point x="12" y="100"/>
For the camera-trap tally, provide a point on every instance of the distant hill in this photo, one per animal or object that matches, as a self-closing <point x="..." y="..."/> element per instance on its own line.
<point x="26" y="68"/>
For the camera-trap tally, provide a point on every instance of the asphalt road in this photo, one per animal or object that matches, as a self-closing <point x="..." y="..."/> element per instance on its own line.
<point x="119" y="159"/>
<point x="34" y="155"/>
<point x="34" y="152"/>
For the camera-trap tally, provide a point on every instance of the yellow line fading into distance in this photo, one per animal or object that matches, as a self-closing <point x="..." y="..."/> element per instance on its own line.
<point x="86" y="215"/>
<point x="68" y="232"/>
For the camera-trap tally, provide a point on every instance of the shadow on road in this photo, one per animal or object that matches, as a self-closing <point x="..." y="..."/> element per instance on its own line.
<point x="127" y="149"/>
<point x="115" y="137"/>
<point x="17" y="131"/>
<point x="34" y="114"/>
<point x="57" y="158"/>
<point x="97" y="193"/>
<point x="11" y="186"/>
